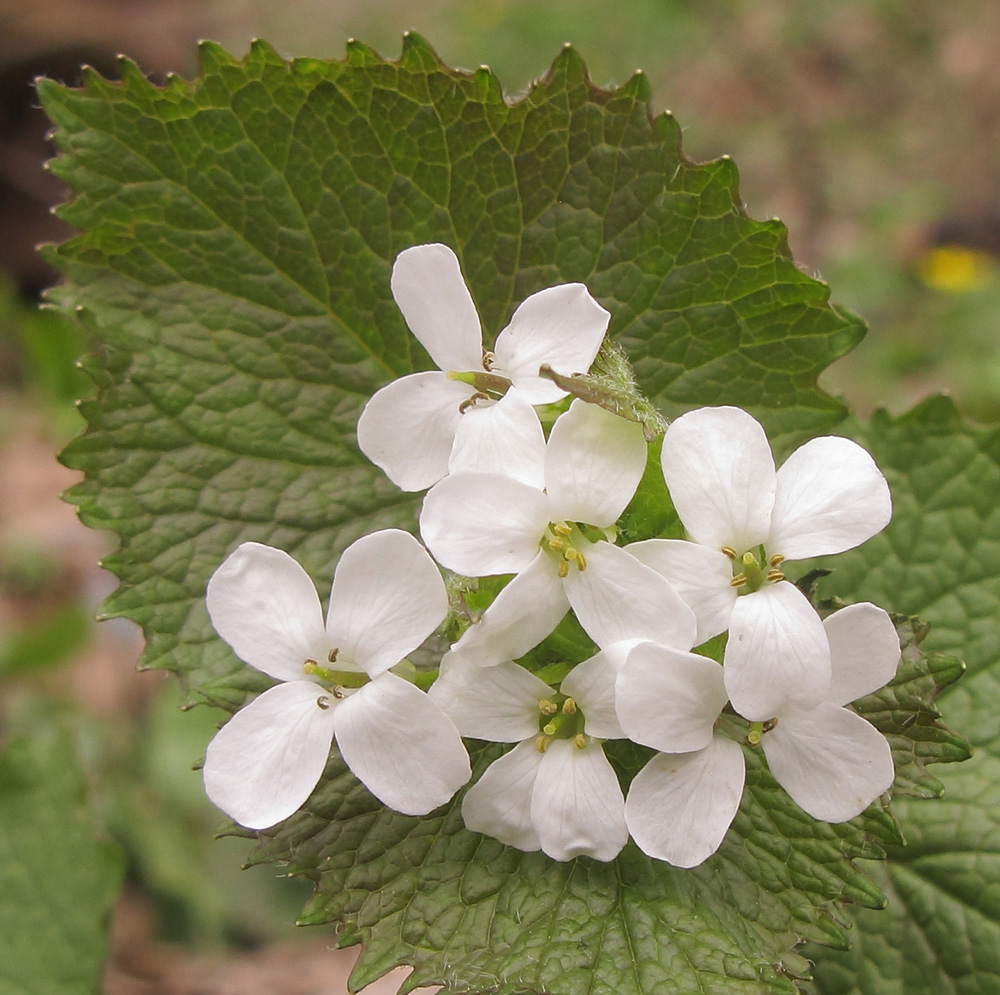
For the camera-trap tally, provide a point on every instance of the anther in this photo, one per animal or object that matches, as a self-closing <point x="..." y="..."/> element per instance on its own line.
<point x="729" y="551"/>
<point x="581" y="562"/>
<point x="775" y="575"/>
<point x="563" y="570"/>
<point x="738" y="581"/>
<point x="488" y="360"/>
<point x="579" y="741"/>
<point x="569" y="707"/>
<point x="470" y="402"/>
<point x="547" y="707"/>
<point x="542" y="743"/>
<point x="556" y="545"/>
<point x="338" y="693"/>
<point x="561" y="528"/>
<point x="776" y="560"/>
<point x="769" y="725"/>
<point x="332" y="655"/>
<point x="323" y="701"/>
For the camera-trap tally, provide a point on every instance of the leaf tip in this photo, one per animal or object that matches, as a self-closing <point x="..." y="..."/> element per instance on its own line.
<point x="418" y="53"/>
<point x="212" y="56"/>
<point x="638" y="87"/>
<point x="359" y="54"/>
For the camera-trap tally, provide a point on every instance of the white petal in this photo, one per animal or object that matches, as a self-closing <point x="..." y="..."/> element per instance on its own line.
<point x="831" y="496"/>
<point x="864" y="651"/>
<point x="408" y="427"/>
<point x="777" y="653"/>
<point x="616" y="598"/>
<point x="591" y="685"/>
<point x="401" y="746"/>
<point x="482" y="524"/>
<point x="680" y="805"/>
<point x="430" y="291"/>
<point x="668" y="699"/>
<point x="505" y="438"/>
<point x="521" y="616"/>
<point x="265" y="761"/>
<point x="593" y="465"/>
<point x="562" y="326"/>
<point x="577" y="806"/>
<point x="387" y="598"/>
<point x="265" y="606"/>
<point x="831" y="761"/>
<point x="498" y="703"/>
<point x="720" y="473"/>
<point x="699" y="574"/>
<point x="499" y="803"/>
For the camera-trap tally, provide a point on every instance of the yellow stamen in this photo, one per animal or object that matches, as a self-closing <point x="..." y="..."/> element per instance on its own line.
<point x="547" y="707"/>
<point x="775" y="575"/>
<point x="738" y="581"/>
<point x="729" y="551"/>
<point x="569" y="707"/>
<point x="542" y="743"/>
<point x="561" y="528"/>
<point x="579" y="741"/>
<point x="581" y="562"/>
<point x="563" y="570"/>
<point x="556" y="545"/>
<point x="776" y="560"/>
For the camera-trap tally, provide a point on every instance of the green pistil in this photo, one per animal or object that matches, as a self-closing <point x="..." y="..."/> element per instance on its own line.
<point x="335" y="678"/>
<point x="757" y="730"/>
<point x="559" y="718"/>
<point x="481" y="380"/>
<point x="749" y="572"/>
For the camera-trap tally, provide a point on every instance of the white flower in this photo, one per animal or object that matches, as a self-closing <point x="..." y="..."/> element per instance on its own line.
<point x="481" y="524"/>
<point x="746" y="520"/>
<point x="387" y="598"/>
<point x="555" y="791"/>
<point x="830" y="760"/>
<point x="423" y="426"/>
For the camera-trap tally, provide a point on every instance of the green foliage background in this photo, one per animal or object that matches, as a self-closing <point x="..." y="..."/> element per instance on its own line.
<point x="236" y="240"/>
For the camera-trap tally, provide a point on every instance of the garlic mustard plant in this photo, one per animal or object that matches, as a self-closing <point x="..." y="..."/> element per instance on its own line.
<point x="747" y="521"/>
<point x="555" y="791"/>
<point x="421" y="426"/>
<point x="387" y="598"/>
<point x="558" y="540"/>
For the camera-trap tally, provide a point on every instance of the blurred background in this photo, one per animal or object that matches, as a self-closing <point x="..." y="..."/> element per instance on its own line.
<point x="870" y="127"/>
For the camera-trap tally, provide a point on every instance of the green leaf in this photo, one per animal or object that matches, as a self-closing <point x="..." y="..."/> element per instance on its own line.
<point x="58" y="881"/>
<point x="940" y="557"/>
<point x="236" y="239"/>
<point x="237" y="235"/>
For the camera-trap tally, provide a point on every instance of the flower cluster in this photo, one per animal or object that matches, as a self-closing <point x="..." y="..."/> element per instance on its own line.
<point x="508" y="499"/>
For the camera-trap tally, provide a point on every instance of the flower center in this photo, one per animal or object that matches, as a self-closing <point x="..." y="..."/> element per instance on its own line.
<point x="340" y="683"/>
<point x="565" y="541"/>
<point x="487" y="386"/>
<point x="559" y="718"/>
<point x="749" y="573"/>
